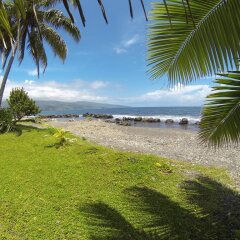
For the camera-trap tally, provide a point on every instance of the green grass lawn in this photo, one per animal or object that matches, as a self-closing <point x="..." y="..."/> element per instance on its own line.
<point x="84" y="191"/>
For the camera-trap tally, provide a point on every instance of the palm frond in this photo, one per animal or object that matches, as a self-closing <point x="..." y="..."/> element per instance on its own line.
<point x="65" y="3"/>
<point x="144" y="10"/>
<point x="130" y="8"/>
<point x="220" y="124"/>
<point x="80" y="10"/>
<point x="4" y="20"/>
<point x="54" y="40"/>
<point x="21" y="45"/>
<point x="33" y="51"/>
<point x="190" y="39"/>
<point x="77" y="3"/>
<point x="58" y="20"/>
<point x="103" y="10"/>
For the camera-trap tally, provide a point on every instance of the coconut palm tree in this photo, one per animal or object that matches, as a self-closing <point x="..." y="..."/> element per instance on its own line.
<point x="192" y="39"/>
<point x="38" y="29"/>
<point x="32" y="24"/>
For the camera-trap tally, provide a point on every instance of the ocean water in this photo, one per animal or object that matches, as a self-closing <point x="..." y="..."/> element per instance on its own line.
<point x="176" y="113"/>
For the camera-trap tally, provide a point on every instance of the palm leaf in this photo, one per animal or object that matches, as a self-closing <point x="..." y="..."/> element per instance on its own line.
<point x="144" y="10"/>
<point x="103" y="10"/>
<point x="220" y="122"/>
<point x="21" y="47"/>
<point x="4" y="21"/>
<point x="65" y="3"/>
<point x="190" y="39"/>
<point x="54" y="40"/>
<point x="80" y="10"/>
<point x="100" y="2"/>
<point x="130" y="8"/>
<point x="58" y="20"/>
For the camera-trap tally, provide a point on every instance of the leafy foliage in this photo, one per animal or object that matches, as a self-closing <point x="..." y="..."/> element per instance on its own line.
<point x="21" y="104"/>
<point x="6" y="120"/>
<point x="43" y="27"/>
<point x="220" y="122"/>
<point x="192" y="39"/>
<point x="33" y="25"/>
<point x="61" y="136"/>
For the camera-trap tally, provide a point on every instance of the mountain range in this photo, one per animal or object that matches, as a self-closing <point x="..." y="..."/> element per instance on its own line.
<point x="69" y="106"/>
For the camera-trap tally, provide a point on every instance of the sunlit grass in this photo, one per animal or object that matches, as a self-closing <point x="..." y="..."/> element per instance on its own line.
<point x="85" y="191"/>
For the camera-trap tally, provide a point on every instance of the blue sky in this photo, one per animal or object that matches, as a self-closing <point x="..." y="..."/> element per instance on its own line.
<point x="108" y="65"/>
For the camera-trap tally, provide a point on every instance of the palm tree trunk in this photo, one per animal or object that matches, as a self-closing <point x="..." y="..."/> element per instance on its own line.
<point x="5" y="77"/>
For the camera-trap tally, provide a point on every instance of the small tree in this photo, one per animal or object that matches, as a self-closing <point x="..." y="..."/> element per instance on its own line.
<point x="6" y="120"/>
<point x="21" y="104"/>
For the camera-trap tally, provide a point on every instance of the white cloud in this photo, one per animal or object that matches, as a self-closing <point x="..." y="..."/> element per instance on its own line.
<point x="133" y="40"/>
<point x="123" y="47"/>
<point x="32" y="73"/>
<point x="99" y="84"/>
<point x="79" y="90"/>
<point x="30" y="82"/>
<point x="192" y="95"/>
<point x="119" y="50"/>
<point x="52" y="90"/>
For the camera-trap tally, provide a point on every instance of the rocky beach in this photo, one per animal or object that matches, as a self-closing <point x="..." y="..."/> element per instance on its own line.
<point x="177" y="144"/>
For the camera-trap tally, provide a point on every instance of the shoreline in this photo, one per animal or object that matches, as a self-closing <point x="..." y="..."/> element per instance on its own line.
<point x="176" y="144"/>
<point x="186" y="123"/>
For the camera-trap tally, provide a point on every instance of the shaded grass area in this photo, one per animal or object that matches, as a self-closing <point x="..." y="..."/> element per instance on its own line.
<point x="84" y="191"/>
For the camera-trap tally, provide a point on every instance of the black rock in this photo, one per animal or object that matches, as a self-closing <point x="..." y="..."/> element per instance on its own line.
<point x="151" y="120"/>
<point x="138" y="119"/>
<point x="100" y="116"/>
<point x="169" y="121"/>
<point x="184" y="121"/>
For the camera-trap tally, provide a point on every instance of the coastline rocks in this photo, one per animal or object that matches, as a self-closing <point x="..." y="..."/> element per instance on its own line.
<point x="141" y="119"/>
<point x="183" y="121"/>
<point x="138" y="119"/>
<point x="169" y="121"/>
<point x="109" y="121"/>
<point x="100" y="116"/>
<point x="123" y="123"/>
<point x="117" y="120"/>
<point x="151" y="120"/>
<point x="128" y="119"/>
<point x="59" y="116"/>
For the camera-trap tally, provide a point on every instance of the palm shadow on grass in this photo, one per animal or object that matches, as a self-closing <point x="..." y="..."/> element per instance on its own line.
<point x="213" y="213"/>
<point x="19" y="129"/>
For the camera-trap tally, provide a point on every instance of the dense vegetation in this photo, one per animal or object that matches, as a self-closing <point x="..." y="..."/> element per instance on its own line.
<point x="84" y="191"/>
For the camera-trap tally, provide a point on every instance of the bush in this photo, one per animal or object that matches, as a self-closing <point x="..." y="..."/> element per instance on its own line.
<point x="6" y="120"/>
<point x="164" y="167"/>
<point x="61" y="137"/>
<point x="21" y="104"/>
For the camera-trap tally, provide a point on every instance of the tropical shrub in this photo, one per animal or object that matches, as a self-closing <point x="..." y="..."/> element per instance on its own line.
<point x="61" y="136"/>
<point x="21" y="104"/>
<point x="6" y="120"/>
